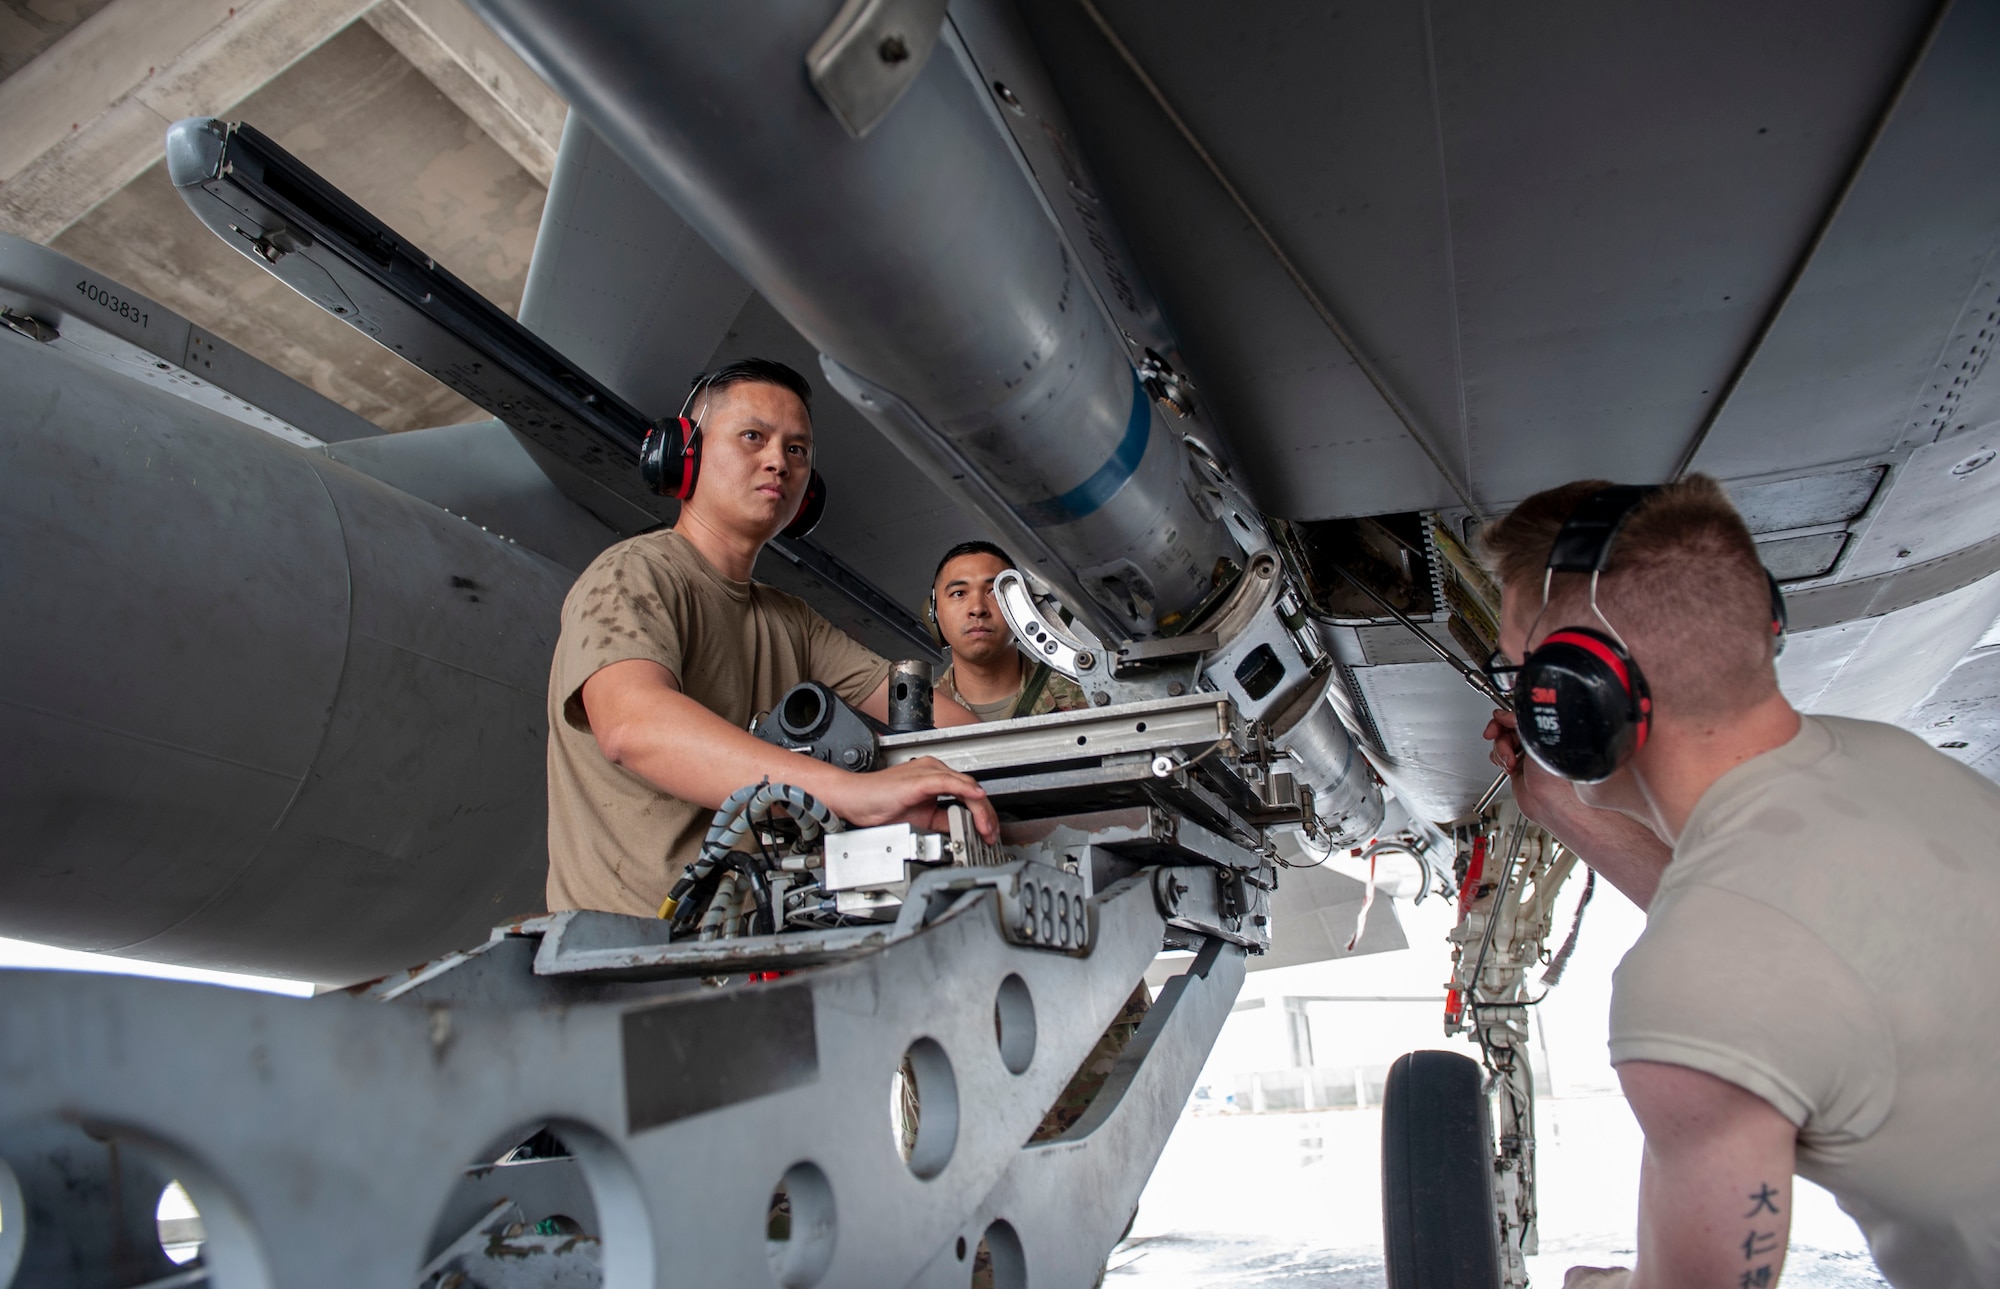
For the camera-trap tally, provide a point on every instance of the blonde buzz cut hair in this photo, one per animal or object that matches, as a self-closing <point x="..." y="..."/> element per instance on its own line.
<point x="1684" y="587"/>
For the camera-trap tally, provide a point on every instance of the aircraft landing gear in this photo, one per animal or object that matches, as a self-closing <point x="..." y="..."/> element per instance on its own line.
<point x="1458" y="1199"/>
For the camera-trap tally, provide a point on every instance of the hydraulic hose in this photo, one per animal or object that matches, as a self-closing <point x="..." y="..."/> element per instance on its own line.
<point x="743" y="810"/>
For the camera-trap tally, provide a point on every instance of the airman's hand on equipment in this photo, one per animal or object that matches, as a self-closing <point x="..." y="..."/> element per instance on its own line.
<point x="1542" y="797"/>
<point x="1546" y="799"/>
<point x="1622" y="849"/>
<point x="908" y="793"/>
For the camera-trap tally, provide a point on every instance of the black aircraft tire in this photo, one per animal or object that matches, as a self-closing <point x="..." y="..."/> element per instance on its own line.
<point x="1439" y="1229"/>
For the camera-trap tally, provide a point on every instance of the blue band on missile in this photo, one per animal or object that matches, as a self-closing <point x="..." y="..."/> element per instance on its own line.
<point x="1099" y="488"/>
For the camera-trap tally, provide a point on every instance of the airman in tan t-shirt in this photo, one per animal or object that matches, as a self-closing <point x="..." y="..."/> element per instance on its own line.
<point x="1823" y="939"/>
<point x="1810" y="994"/>
<point x="668" y="651"/>
<point x="615" y="841"/>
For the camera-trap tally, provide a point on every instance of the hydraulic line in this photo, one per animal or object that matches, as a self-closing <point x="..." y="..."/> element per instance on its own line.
<point x="760" y="888"/>
<point x="719" y="907"/>
<point x="1560" y="963"/>
<point x="743" y="810"/>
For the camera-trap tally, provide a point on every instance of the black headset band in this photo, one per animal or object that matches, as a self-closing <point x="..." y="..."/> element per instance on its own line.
<point x="1583" y="545"/>
<point x="701" y="382"/>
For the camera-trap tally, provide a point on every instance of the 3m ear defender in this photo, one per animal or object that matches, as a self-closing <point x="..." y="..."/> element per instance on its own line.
<point x="670" y="464"/>
<point x="1581" y="704"/>
<point x="670" y="458"/>
<point x="811" y="507"/>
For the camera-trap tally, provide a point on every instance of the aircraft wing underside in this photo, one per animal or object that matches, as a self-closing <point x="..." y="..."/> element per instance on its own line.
<point x="1233" y="324"/>
<point x="1562" y="247"/>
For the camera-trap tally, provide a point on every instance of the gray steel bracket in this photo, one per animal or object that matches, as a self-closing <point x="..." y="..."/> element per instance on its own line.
<point x="1063" y="1204"/>
<point x="293" y="224"/>
<point x="300" y="1125"/>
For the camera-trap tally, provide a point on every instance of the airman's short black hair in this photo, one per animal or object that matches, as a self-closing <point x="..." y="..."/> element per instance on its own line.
<point x="973" y="548"/>
<point x="759" y="371"/>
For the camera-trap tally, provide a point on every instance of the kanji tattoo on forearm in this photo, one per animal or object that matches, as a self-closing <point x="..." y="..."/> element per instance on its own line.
<point x="1759" y="1244"/>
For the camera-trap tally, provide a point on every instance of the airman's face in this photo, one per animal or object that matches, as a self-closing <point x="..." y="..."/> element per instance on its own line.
<point x="968" y="613"/>
<point x="756" y="457"/>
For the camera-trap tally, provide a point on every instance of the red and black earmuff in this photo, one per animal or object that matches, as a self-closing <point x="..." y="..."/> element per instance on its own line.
<point x="670" y="463"/>
<point x="670" y="458"/>
<point x="1581" y="703"/>
<point x="811" y="507"/>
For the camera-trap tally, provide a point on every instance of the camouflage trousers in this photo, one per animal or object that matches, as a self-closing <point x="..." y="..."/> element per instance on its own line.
<point x="1076" y="1096"/>
<point x="1069" y="1108"/>
<point x="1089" y="1078"/>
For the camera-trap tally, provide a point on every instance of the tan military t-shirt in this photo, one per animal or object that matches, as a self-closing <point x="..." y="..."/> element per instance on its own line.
<point x="615" y="841"/>
<point x="1824" y="938"/>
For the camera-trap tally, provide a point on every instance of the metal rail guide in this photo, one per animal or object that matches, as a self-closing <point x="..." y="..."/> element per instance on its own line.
<point x="304" y="231"/>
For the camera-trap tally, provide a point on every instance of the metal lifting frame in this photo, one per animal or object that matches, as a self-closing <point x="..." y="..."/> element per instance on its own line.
<point x="357" y="1138"/>
<point x="396" y="1135"/>
<point x="325" y="1141"/>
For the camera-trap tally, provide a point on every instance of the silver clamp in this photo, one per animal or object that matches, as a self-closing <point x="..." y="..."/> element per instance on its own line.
<point x="1040" y="632"/>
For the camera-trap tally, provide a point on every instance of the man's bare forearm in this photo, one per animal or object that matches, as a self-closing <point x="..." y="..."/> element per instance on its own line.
<point x="645" y="724"/>
<point x="1630" y="855"/>
<point x="685" y="750"/>
<point x="1622" y="850"/>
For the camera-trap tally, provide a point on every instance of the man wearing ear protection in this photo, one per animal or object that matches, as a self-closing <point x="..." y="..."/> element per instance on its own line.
<point x="996" y="682"/>
<point x="1811" y="990"/>
<point x="988" y="676"/>
<point x="669" y="649"/>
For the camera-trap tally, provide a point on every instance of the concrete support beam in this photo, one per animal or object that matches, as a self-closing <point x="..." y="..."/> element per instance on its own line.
<point x="91" y="112"/>
<point x="478" y="72"/>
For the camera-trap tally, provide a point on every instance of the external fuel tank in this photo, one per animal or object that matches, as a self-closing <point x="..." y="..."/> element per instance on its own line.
<point x="264" y="712"/>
